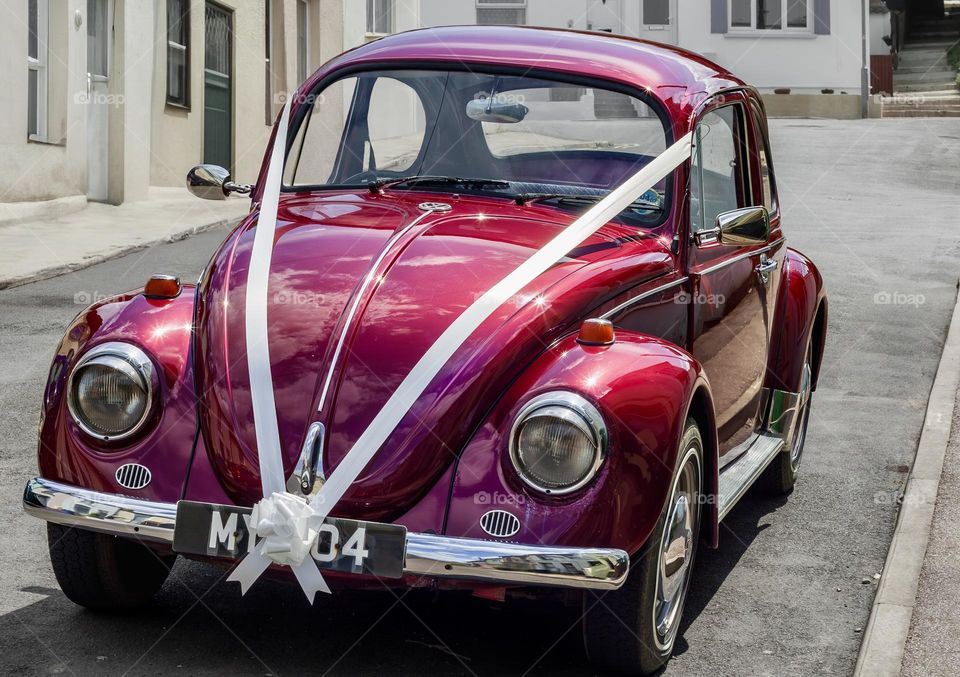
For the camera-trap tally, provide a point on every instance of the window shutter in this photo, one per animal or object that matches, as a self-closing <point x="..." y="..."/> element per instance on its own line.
<point x="718" y="16"/>
<point x="821" y="17"/>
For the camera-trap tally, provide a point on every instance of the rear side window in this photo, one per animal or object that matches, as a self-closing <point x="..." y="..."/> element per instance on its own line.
<point x="718" y="181"/>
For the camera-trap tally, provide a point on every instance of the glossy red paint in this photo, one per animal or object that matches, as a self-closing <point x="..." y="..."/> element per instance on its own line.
<point x="473" y="246"/>
<point x="445" y="465"/>
<point x="802" y="298"/>
<point x="642" y="386"/>
<point x="162" y="328"/>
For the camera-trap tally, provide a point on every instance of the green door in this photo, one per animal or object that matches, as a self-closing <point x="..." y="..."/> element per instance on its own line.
<point x="217" y="87"/>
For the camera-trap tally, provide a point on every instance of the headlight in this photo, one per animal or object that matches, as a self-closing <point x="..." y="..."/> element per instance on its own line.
<point x="558" y="442"/>
<point x="110" y="391"/>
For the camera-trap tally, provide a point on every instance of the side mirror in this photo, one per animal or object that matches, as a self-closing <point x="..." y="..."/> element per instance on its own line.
<point x="211" y="182"/>
<point x="738" y="228"/>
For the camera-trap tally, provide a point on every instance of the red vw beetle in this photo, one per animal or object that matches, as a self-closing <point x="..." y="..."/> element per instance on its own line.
<point x="529" y="321"/>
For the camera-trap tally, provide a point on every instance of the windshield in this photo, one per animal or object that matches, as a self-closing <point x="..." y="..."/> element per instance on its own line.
<point x="516" y="136"/>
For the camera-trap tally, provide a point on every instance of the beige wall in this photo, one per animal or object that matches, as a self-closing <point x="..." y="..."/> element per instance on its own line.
<point x="42" y="171"/>
<point x="152" y="143"/>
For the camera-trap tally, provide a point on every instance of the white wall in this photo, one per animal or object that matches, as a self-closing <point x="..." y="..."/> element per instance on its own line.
<point x="805" y="64"/>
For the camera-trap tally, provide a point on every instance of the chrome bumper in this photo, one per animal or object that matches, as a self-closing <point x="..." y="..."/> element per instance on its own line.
<point x="427" y="554"/>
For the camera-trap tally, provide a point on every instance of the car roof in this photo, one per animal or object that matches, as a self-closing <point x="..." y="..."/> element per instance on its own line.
<point x="674" y="76"/>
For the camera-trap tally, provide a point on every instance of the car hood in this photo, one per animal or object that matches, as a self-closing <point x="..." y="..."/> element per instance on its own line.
<point x="425" y="269"/>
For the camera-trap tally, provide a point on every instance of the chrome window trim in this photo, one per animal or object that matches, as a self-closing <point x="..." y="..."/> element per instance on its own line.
<point x="138" y="361"/>
<point x="643" y="296"/>
<point x="587" y="418"/>
<point x="741" y="257"/>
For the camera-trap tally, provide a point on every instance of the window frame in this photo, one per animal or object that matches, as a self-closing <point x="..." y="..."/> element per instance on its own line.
<point x="745" y="191"/>
<point x="301" y="116"/>
<point x="303" y="50"/>
<point x="371" y="27"/>
<point x="38" y="64"/>
<point x="784" y="28"/>
<point x="171" y="100"/>
<point x="502" y="4"/>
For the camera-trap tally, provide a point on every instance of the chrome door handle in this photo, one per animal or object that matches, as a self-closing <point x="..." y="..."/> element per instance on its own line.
<point x="765" y="267"/>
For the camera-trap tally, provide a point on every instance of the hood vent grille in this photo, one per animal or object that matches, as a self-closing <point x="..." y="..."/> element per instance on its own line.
<point x="133" y="476"/>
<point x="499" y="523"/>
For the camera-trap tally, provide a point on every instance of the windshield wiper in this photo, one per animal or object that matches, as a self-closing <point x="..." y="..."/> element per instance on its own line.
<point x="378" y="185"/>
<point x="527" y="198"/>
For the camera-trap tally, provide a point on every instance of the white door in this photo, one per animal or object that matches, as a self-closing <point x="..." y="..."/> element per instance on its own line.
<point x="658" y="21"/>
<point x="605" y="15"/>
<point x="98" y="85"/>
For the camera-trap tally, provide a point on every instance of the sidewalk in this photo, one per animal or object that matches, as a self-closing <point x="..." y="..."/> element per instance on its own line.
<point x="933" y="645"/>
<point x="38" y="249"/>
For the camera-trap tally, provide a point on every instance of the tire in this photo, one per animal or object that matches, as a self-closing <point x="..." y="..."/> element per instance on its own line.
<point x="620" y="632"/>
<point x="781" y="475"/>
<point x="102" y="572"/>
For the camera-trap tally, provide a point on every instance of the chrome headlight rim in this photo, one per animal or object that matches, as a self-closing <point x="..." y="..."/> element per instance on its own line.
<point x="131" y="358"/>
<point x="575" y="409"/>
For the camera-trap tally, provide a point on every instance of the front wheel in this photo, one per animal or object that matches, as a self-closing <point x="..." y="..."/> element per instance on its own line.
<point x="103" y="572"/>
<point x="632" y="630"/>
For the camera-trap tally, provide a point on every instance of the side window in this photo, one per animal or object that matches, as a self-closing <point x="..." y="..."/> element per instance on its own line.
<point x="395" y="125"/>
<point x="718" y="183"/>
<point x="767" y="183"/>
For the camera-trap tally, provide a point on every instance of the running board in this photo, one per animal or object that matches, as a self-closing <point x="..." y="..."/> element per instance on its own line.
<point x="737" y="477"/>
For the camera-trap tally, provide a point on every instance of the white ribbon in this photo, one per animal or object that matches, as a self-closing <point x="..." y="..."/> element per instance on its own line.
<point x="287" y="529"/>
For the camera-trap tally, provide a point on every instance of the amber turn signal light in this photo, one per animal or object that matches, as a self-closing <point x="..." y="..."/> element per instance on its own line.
<point x="162" y="287"/>
<point x="595" y="332"/>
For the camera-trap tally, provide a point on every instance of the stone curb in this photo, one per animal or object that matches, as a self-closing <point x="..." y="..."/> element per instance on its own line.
<point x="55" y="271"/>
<point x="885" y="637"/>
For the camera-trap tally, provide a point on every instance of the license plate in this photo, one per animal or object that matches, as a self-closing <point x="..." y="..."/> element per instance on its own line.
<point x="344" y="545"/>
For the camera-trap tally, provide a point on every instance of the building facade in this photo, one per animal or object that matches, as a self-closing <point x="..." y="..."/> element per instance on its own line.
<point x="105" y="99"/>
<point x="806" y="46"/>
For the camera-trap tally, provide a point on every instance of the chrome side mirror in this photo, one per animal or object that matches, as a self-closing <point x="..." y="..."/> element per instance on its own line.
<point x="211" y="182"/>
<point x="738" y="228"/>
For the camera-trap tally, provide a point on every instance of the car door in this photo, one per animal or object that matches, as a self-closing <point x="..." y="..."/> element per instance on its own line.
<point x="729" y="325"/>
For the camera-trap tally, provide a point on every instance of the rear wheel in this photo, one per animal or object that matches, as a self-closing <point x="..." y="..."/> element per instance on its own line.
<point x="632" y="630"/>
<point x="780" y="477"/>
<point x="102" y="572"/>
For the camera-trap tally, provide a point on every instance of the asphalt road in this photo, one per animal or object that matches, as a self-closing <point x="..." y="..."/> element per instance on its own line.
<point x="874" y="203"/>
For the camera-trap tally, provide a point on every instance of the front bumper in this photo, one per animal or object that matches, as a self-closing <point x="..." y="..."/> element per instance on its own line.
<point x="429" y="555"/>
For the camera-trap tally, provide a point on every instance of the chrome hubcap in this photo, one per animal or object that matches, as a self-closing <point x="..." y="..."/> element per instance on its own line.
<point x="800" y="429"/>
<point x="676" y="550"/>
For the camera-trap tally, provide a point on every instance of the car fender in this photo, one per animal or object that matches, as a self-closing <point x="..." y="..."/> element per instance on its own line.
<point x="801" y="316"/>
<point x="644" y="388"/>
<point x="162" y="329"/>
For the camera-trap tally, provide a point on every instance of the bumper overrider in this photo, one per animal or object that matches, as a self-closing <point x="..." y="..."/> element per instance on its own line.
<point x="426" y="554"/>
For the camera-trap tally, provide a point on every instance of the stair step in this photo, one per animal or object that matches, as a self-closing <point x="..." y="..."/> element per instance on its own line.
<point x="939" y="75"/>
<point x="737" y="477"/>
<point x="920" y="113"/>
<point x="924" y="86"/>
<point x="913" y="70"/>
